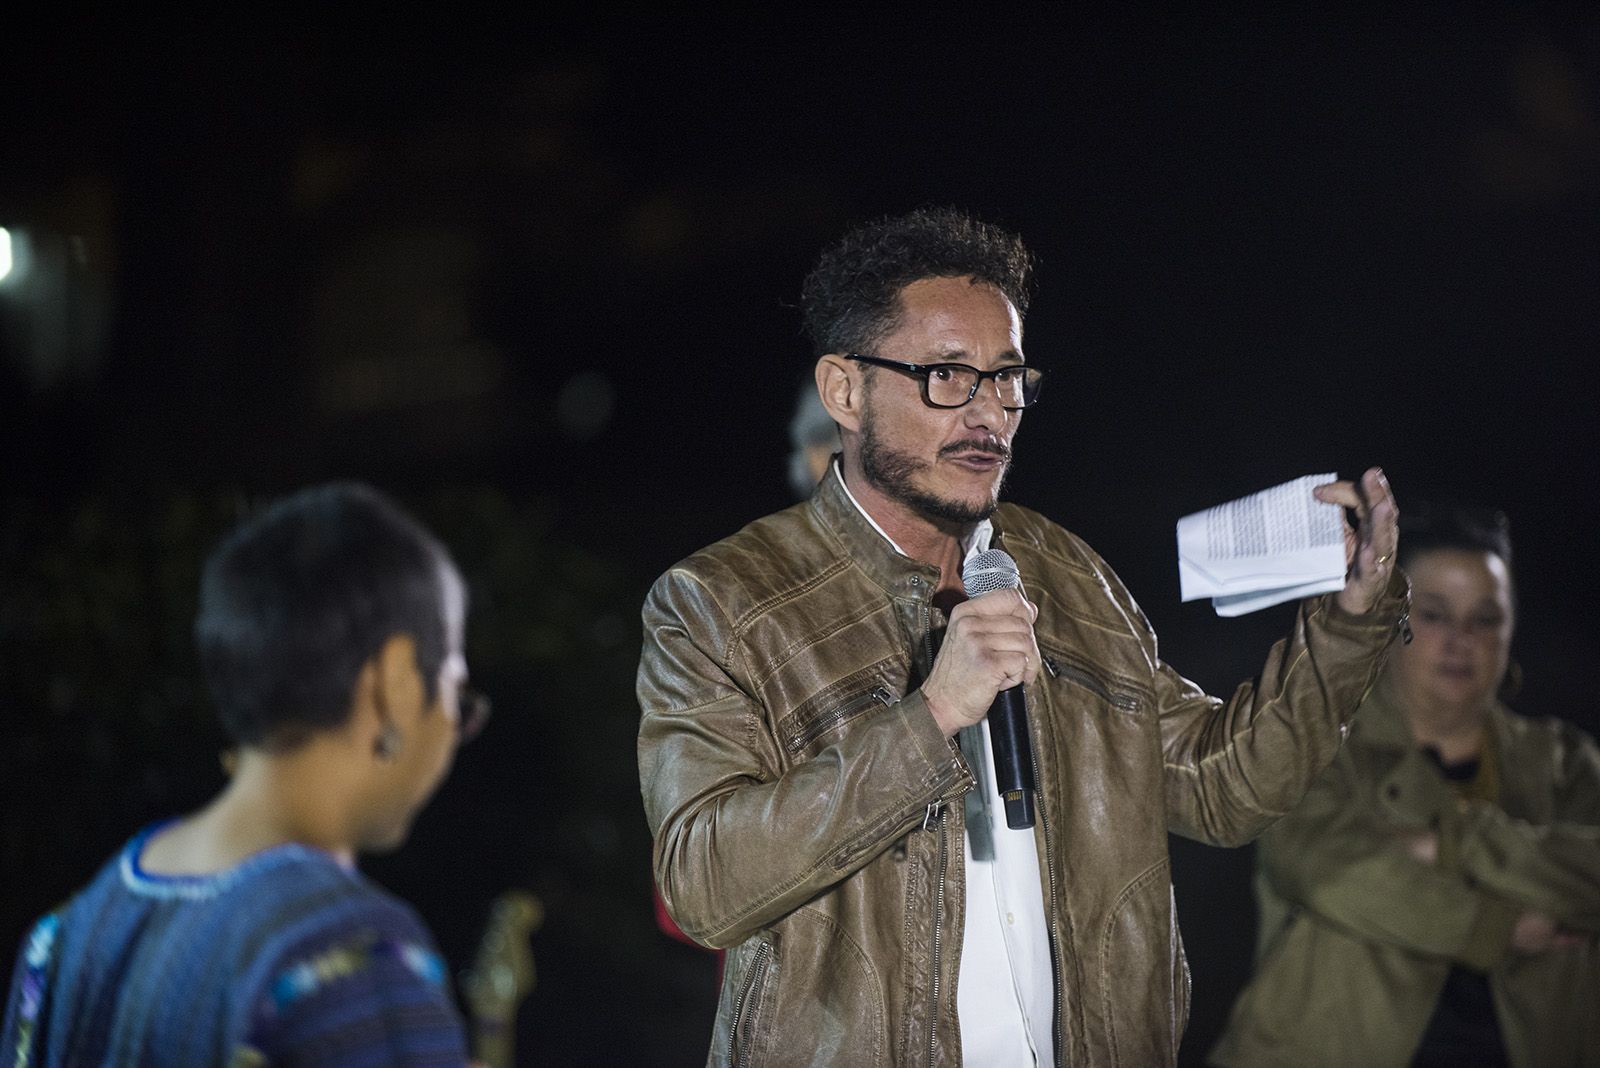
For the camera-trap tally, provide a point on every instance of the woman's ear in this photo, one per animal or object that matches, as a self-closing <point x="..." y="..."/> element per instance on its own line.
<point x="839" y="384"/>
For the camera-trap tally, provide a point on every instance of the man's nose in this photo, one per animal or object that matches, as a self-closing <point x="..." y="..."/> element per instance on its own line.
<point x="985" y="409"/>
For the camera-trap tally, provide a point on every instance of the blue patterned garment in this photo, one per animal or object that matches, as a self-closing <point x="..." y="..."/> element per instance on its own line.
<point x="288" y="958"/>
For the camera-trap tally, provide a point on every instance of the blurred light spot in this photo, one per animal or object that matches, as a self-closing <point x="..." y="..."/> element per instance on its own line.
<point x="59" y="307"/>
<point x="583" y="408"/>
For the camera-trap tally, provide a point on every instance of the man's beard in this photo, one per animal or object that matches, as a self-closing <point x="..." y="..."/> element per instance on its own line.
<point x="892" y="473"/>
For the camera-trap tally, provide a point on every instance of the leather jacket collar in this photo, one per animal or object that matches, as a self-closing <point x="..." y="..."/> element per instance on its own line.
<point x="897" y="574"/>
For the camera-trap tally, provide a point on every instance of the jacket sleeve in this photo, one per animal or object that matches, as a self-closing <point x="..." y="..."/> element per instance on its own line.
<point x="1232" y="767"/>
<point x="1554" y="868"/>
<point x="742" y="835"/>
<point x="1340" y="855"/>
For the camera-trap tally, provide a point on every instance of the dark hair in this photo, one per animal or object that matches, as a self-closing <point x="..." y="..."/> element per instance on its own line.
<point x="852" y="297"/>
<point x="296" y="599"/>
<point x="1427" y="527"/>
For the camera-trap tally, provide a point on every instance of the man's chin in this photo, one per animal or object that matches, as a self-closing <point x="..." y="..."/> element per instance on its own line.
<point x="954" y="509"/>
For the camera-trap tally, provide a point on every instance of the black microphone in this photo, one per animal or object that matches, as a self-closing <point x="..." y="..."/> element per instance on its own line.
<point x="994" y="569"/>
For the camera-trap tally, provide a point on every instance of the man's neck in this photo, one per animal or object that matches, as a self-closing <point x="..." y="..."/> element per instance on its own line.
<point x="930" y="541"/>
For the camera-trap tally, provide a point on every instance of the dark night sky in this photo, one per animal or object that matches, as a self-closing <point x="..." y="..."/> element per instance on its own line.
<point x="1270" y="245"/>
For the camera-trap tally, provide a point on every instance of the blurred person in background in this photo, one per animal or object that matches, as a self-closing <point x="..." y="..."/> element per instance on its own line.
<point x="1435" y="898"/>
<point x="330" y="635"/>
<point x="813" y="439"/>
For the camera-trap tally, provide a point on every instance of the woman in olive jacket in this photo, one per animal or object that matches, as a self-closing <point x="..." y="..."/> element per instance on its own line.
<point x="1435" y="899"/>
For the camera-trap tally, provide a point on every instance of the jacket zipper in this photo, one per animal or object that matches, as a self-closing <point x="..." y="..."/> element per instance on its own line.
<point x="935" y="813"/>
<point x="927" y="640"/>
<point x="1127" y="702"/>
<point x="933" y="820"/>
<point x="1052" y="934"/>
<point x="758" y="970"/>
<point x="849" y="710"/>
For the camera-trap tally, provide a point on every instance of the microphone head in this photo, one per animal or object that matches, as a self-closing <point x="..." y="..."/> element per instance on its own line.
<point x="992" y="569"/>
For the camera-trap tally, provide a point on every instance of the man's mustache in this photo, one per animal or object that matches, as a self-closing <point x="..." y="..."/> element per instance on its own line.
<point x="958" y="448"/>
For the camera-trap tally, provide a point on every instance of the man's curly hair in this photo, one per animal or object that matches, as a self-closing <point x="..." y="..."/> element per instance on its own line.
<point x="851" y="300"/>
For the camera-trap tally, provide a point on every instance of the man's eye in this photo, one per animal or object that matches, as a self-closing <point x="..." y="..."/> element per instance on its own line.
<point x="941" y="373"/>
<point x="1009" y="375"/>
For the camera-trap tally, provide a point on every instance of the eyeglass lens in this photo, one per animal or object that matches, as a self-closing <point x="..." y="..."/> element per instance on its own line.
<point x="951" y="386"/>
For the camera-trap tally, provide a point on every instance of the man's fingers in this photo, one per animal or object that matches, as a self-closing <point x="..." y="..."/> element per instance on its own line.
<point x="1016" y="666"/>
<point x="1365" y="496"/>
<point x="995" y="602"/>
<point x="1342" y="493"/>
<point x="1380" y="524"/>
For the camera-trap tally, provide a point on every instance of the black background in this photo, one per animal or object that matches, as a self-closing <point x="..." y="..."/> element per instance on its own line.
<point x="538" y="277"/>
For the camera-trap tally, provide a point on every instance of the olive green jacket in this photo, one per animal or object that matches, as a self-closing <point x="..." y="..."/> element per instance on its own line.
<point x="1357" y="936"/>
<point x="799" y="790"/>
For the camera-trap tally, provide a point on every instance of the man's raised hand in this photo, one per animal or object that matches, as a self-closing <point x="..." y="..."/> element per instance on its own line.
<point x="1369" y="547"/>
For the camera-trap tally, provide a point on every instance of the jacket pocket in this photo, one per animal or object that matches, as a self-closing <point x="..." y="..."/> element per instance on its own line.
<point x="747" y="1037"/>
<point x="1118" y="696"/>
<point x="1142" y="973"/>
<point x="834" y="707"/>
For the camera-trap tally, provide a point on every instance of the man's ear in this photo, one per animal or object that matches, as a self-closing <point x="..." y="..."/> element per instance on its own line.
<point x="841" y="387"/>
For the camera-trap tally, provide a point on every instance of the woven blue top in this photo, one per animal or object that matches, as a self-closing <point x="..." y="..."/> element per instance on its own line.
<point x="290" y="957"/>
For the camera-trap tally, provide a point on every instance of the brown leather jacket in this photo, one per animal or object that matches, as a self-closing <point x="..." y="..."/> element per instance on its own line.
<point x="799" y="791"/>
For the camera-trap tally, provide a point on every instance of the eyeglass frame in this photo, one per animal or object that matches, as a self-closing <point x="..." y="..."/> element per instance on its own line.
<point x="923" y="370"/>
<point x="473" y="708"/>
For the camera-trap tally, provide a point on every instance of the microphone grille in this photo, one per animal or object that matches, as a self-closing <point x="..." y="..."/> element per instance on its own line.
<point x="992" y="569"/>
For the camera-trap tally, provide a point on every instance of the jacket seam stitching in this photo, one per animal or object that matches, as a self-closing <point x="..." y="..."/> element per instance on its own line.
<point x="760" y="608"/>
<point x="802" y="646"/>
<point x="824" y="861"/>
<point x="1233" y="739"/>
<point x="1138" y="882"/>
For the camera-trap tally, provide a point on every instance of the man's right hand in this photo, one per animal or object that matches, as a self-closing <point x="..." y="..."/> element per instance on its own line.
<point x="988" y="647"/>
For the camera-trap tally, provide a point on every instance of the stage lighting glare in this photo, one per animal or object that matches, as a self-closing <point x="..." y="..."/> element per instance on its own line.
<point x="5" y="253"/>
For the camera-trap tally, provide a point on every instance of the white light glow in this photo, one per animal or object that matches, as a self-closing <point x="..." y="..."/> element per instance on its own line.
<point x="5" y="253"/>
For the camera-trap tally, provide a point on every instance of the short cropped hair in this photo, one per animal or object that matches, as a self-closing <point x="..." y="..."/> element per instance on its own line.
<point x="298" y="598"/>
<point x="1428" y="527"/>
<point x="851" y="300"/>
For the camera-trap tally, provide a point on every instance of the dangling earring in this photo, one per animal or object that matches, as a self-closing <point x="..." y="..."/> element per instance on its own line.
<point x="387" y="744"/>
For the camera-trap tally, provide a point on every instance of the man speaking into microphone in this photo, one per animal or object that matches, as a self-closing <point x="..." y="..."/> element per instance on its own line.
<point x="817" y="750"/>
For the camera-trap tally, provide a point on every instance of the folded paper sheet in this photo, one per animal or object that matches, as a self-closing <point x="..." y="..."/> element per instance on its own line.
<point x="1264" y="549"/>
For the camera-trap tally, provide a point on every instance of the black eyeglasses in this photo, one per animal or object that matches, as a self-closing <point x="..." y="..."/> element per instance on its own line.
<point x="953" y="385"/>
<point x="472" y="708"/>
